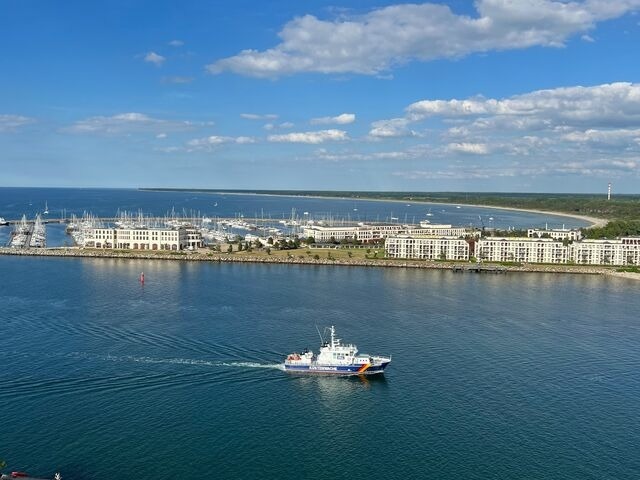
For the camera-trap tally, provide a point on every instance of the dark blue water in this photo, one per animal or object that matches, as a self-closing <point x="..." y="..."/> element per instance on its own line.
<point x="506" y="376"/>
<point x="63" y="202"/>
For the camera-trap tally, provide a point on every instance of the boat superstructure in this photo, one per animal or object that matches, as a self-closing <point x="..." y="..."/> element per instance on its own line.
<point x="336" y="358"/>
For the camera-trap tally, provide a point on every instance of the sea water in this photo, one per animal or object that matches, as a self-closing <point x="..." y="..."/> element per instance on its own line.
<point x="493" y="376"/>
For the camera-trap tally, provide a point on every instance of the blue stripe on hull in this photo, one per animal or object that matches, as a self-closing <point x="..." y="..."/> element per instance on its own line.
<point x="336" y="370"/>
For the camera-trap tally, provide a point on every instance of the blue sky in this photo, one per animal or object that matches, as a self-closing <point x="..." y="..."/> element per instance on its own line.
<point x="492" y="95"/>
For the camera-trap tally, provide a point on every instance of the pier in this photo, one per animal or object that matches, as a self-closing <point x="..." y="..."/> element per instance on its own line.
<point x="46" y="220"/>
<point x="479" y="268"/>
<point x="28" y="233"/>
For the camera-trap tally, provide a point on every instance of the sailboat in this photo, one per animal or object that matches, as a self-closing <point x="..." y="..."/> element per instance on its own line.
<point x="46" y="209"/>
<point x="429" y="214"/>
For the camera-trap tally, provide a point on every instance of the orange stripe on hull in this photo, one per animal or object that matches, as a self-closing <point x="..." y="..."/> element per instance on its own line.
<point x="364" y="367"/>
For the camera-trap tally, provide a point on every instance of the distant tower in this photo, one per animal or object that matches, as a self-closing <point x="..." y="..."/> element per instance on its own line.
<point x="609" y="192"/>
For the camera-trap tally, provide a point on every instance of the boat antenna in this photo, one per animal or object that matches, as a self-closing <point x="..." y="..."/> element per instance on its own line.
<point x="321" y="338"/>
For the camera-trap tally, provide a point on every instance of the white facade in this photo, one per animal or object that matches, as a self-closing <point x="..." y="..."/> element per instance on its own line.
<point x="143" y="238"/>
<point x="363" y="233"/>
<point x="369" y="233"/>
<point x="427" y="248"/>
<point x="623" y="251"/>
<point x="444" y="230"/>
<point x="521" y="249"/>
<point x="557" y="234"/>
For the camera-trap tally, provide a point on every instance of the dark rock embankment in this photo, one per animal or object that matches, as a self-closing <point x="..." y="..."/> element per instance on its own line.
<point x="235" y="258"/>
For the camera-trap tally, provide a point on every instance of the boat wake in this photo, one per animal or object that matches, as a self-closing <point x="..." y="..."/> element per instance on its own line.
<point x="191" y="361"/>
<point x="210" y="372"/>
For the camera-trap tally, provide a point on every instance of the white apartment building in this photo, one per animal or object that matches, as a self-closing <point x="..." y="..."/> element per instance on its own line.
<point x="369" y="233"/>
<point x="427" y="248"/>
<point x="441" y="230"/>
<point x="194" y="238"/>
<point x="556" y="234"/>
<point x="521" y="249"/>
<point x="622" y="251"/>
<point x="143" y="238"/>
<point x="364" y="233"/>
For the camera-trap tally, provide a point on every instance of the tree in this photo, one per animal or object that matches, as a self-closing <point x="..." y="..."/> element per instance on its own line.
<point x="311" y="240"/>
<point x="230" y="248"/>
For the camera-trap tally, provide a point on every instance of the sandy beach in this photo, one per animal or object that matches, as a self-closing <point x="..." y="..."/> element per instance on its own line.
<point x="595" y="222"/>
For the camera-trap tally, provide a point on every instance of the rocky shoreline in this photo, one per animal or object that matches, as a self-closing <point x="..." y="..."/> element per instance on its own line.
<point x="234" y="258"/>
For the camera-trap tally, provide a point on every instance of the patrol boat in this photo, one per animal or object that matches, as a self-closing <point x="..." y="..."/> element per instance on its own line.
<point x="335" y="358"/>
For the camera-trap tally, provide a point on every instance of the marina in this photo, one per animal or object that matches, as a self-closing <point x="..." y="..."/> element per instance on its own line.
<point x="477" y="249"/>
<point x="28" y="234"/>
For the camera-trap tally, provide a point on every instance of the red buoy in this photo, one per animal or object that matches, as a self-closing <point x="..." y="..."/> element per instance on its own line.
<point x="141" y="277"/>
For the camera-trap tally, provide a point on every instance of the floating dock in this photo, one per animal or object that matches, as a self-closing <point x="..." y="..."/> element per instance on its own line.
<point x="479" y="268"/>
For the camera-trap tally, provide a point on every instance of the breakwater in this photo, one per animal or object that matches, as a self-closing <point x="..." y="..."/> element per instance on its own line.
<point x="300" y="260"/>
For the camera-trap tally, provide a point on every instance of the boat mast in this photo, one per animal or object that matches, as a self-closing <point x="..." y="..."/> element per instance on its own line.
<point x="320" y="335"/>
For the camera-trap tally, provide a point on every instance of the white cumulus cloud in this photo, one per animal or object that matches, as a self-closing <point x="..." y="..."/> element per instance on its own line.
<point x="320" y="136"/>
<point x="465" y="147"/>
<point x="259" y="116"/>
<point x="153" y="57"/>
<point x="383" y="38"/>
<point x="125" y="123"/>
<point x="9" y="123"/>
<point x="613" y="136"/>
<point x="212" y="141"/>
<point x="342" y="119"/>
<point x="555" y="130"/>
<point x="607" y="104"/>
<point x="391" y="128"/>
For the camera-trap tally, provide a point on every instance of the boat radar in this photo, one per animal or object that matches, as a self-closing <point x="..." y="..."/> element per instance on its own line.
<point x="335" y="358"/>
